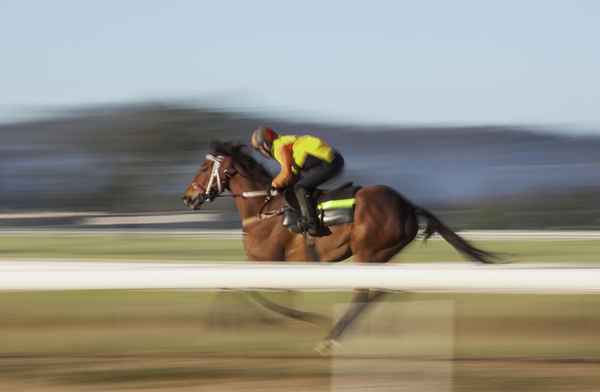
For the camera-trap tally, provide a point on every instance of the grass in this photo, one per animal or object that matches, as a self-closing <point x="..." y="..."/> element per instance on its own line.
<point x="122" y="246"/>
<point x="190" y="249"/>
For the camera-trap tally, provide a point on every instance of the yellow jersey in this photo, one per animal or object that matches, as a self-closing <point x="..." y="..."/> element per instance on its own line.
<point x="291" y="152"/>
<point x="301" y="147"/>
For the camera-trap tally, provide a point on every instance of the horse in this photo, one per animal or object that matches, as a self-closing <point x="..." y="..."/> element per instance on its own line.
<point x="384" y="223"/>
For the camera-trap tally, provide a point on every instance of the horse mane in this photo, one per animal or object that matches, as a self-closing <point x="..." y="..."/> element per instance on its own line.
<point x="247" y="163"/>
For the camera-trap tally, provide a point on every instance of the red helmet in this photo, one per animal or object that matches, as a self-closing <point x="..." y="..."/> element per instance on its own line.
<point x="262" y="140"/>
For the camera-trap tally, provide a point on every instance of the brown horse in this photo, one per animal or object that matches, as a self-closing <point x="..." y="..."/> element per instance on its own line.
<point x="384" y="223"/>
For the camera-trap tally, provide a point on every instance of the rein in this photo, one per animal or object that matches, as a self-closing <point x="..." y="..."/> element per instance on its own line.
<point x="246" y="195"/>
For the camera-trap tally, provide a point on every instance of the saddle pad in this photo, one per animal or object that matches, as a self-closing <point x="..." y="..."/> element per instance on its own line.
<point x="338" y="198"/>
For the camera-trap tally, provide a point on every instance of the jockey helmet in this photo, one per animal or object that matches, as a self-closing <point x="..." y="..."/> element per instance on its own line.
<point x="262" y="140"/>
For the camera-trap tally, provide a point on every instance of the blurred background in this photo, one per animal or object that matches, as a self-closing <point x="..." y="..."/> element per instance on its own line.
<point x="487" y="114"/>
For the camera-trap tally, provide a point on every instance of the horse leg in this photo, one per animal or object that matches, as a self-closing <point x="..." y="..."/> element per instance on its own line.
<point x="361" y="300"/>
<point x="295" y="314"/>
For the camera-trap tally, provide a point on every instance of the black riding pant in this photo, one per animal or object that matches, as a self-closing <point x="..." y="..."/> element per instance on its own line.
<point x="319" y="172"/>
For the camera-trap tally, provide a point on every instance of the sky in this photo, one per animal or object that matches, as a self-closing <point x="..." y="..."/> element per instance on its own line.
<point x="386" y="62"/>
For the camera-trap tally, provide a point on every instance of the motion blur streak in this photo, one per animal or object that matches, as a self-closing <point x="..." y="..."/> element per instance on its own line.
<point x="133" y="158"/>
<point x="483" y="113"/>
<point x="103" y="185"/>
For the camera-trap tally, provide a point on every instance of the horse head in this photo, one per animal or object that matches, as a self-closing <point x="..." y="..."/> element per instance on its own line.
<point x="211" y="180"/>
<point x="224" y="162"/>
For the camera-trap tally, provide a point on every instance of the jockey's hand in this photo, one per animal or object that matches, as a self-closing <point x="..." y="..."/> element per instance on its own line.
<point x="272" y="191"/>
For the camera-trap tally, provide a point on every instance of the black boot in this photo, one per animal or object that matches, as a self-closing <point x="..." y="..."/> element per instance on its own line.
<point x="309" y="219"/>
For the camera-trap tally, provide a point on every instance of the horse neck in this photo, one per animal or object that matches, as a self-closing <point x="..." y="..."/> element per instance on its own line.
<point x="247" y="207"/>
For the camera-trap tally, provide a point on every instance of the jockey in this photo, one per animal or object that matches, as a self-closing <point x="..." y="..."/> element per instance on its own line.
<point x="306" y="162"/>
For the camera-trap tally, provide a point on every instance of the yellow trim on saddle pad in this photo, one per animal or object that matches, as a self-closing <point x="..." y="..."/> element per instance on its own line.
<point x="335" y="204"/>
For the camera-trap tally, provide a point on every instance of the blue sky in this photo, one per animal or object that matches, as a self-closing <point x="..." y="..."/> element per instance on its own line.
<point x="394" y="62"/>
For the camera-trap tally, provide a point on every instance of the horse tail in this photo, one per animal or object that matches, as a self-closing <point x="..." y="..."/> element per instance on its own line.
<point x="434" y="225"/>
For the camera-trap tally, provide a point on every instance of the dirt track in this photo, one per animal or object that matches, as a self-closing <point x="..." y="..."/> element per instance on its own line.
<point x="188" y="341"/>
<point x="276" y="373"/>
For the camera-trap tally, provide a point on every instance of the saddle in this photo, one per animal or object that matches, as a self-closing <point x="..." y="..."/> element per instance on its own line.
<point x="334" y="206"/>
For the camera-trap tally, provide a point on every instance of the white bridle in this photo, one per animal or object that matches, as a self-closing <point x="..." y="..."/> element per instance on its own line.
<point x="215" y="177"/>
<point x="214" y="174"/>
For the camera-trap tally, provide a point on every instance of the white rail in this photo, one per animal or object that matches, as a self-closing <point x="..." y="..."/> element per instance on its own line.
<point x="438" y="277"/>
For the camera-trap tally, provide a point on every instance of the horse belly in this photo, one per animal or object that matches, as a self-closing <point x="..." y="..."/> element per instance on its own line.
<point x="336" y="246"/>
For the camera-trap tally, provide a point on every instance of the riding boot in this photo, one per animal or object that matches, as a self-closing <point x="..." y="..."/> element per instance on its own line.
<point x="309" y="214"/>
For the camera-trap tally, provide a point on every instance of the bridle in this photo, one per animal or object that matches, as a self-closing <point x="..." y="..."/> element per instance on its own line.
<point x="218" y="184"/>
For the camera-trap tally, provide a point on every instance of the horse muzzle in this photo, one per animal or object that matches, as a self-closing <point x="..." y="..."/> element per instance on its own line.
<point x="194" y="202"/>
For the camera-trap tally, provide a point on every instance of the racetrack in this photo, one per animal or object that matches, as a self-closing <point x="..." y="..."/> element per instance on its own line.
<point x="189" y="340"/>
<point x="176" y="372"/>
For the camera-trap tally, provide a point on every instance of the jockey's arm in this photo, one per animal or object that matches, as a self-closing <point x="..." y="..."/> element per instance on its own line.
<point x="286" y="174"/>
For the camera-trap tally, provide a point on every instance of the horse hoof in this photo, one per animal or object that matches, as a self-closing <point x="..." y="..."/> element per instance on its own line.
<point x="326" y="347"/>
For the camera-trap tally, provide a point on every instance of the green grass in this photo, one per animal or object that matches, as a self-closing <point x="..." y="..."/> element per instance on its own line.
<point x="124" y="246"/>
<point x="154" y="247"/>
<point x="520" y="251"/>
